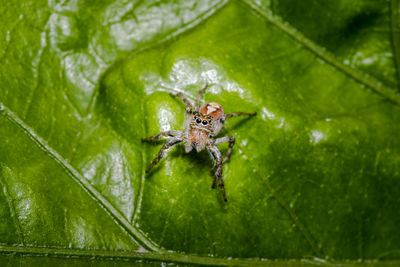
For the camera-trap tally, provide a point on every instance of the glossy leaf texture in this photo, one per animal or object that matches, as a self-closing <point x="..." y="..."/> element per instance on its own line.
<point x="316" y="174"/>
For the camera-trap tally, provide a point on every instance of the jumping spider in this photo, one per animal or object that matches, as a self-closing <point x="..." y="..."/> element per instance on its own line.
<point x="200" y="128"/>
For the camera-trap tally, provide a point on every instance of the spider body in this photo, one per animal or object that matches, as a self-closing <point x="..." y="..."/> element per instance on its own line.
<point x="200" y="128"/>
<point x="203" y="126"/>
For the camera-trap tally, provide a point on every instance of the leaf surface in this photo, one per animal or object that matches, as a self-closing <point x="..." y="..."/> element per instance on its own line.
<point x="314" y="174"/>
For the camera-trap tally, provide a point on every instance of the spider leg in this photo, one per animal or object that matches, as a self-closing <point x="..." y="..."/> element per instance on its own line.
<point x="189" y="107"/>
<point x="223" y="140"/>
<point x="162" y="134"/>
<point x="227" y="116"/>
<point x="217" y="169"/>
<point x="196" y="104"/>
<point x="171" y="142"/>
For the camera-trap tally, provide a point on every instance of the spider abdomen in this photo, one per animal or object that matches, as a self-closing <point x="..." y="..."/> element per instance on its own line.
<point x="212" y="109"/>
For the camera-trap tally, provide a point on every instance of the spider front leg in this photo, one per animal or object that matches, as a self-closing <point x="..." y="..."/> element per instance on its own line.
<point x="189" y="107"/>
<point x="162" y="134"/>
<point x="223" y="140"/>
<point x="217" y="169"/>
<point x="173" y="141"/>
<point x="201" y="91"/>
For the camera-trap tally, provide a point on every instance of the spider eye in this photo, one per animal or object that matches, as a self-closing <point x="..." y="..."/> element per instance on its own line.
<point x="194" y="117"/>
<point x="205" y="122"/>
<point x="198" y="120"/>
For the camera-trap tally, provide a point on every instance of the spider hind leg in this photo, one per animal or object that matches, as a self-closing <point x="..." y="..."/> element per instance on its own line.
<point x="227" y="139"/>
<point x="217" y="170"/>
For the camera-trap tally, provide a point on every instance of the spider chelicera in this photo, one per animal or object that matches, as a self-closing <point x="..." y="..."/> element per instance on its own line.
<point x="200" y="128"/>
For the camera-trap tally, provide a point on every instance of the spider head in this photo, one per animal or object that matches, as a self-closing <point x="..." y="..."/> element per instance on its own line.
<point x="210" y="118"/>
<point x="201" y="120"/>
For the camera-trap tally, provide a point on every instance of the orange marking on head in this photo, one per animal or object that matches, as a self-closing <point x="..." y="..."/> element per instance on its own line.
<point x="212" y="109"/>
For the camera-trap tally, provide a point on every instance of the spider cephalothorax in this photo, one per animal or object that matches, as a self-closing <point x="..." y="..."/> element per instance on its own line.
<point x="204" y="125"/>
<point x="201" y="126"/>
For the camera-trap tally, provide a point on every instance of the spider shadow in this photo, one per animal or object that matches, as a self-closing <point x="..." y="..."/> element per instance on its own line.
<point x="203" y="159"/>
<point x="155" y="142"/>
<point x="241" y="123"/>
<point x="198" y="159"/>
<point x="178" y="151"/>
<point x="179" y="102"/>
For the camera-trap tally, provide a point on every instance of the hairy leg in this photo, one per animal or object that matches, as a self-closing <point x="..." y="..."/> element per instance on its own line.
<point x="227" y="116"/>
<point x="218" y="169"/>
<point x="201" y="91"/>
<point x="189" y="107"/>
<point x="162" y="134"/>
<point x="173" y="141"/>
<point x="224" y="140"/>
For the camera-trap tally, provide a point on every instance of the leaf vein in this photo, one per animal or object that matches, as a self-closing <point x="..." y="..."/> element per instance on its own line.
<point x="295" y="218"/>
<point x="77" y="177"/>
<point x="357" y="75"/>
<point x="12" y="211"/>
<point x="129" y="255"/>
<point x="142" y="171"/>
<point x="37" y="63"/>
<point x="394" y="7"/>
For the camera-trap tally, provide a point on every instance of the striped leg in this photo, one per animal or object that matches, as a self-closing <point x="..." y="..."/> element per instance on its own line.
<point x="173" y="141"/>
<point x="223" y="140"/>
<point x="201" y="91"/>
<point x="189" y="107"/>
<point x="162" y="134"/>
<point x="218" y="169"/>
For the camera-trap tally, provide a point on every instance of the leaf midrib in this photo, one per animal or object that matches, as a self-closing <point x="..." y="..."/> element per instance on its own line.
<point x="12" y="210"/>
<point x="177" y="258"/>
<point x="77" y="177"/>
<point x="395" y="35"/>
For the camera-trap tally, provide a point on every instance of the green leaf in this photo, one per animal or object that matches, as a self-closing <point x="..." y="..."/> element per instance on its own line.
<point x="315" y="175"/>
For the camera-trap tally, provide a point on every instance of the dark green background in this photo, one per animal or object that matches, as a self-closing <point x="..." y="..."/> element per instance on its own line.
<point x="316" y="174"/>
